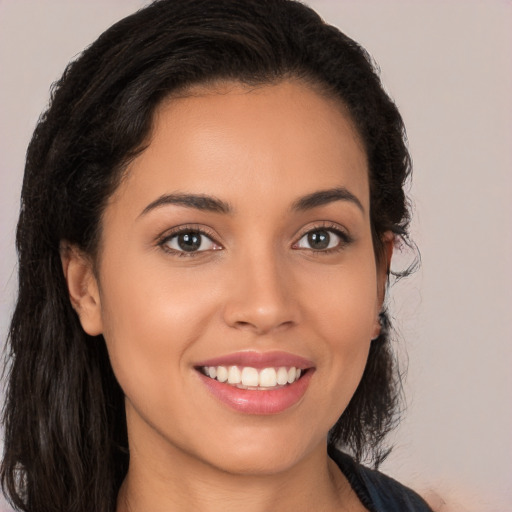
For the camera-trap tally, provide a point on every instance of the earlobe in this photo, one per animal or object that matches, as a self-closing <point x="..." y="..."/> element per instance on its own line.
<point x="388" y="243"/>
<point x="82" y="287"/>
<point x="376" y="328"/>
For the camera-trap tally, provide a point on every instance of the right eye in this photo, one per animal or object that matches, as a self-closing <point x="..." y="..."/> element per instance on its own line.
<point x="189" y="242"/>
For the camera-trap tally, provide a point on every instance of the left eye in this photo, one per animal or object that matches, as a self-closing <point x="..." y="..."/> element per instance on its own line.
<point x="190" y="241"/>
<point x="319" y="240"/>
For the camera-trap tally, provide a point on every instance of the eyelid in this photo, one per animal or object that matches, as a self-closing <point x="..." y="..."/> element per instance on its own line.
<point x="338" y="230"/>
<point x="169" y="234"/>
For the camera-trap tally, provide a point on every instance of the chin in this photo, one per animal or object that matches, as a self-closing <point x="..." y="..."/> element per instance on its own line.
<point x="263" y="454"/>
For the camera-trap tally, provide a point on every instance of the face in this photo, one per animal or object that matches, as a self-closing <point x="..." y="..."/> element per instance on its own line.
<point x="239" y="247"/>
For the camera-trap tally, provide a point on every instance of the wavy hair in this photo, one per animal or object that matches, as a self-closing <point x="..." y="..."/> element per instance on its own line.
<point x="66" y="445"/>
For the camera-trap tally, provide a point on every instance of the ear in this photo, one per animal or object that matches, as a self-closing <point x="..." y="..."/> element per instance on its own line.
<point x="383" y="266"/>
<point x="83" y="287"/>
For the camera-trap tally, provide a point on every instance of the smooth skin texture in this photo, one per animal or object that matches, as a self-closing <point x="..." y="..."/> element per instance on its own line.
<point x="256" y="282"/>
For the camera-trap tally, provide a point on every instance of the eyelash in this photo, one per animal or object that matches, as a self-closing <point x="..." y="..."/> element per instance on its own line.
<point x="345" y="239"/>
<point x="165" y="239"/>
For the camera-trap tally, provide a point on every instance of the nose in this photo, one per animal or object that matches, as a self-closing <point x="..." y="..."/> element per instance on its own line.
<point x="261" y="296"/>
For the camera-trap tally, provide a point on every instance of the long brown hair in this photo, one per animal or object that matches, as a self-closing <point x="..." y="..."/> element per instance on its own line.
<point x="66" y="444"/>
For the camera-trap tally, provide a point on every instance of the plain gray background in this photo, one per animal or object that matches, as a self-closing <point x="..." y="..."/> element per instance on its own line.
<point x="448" y="65"/>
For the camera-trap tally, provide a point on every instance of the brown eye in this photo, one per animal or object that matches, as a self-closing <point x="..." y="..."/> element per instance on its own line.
<point x="322" y="240"/>
<point x="319" y="240"/>
<point x="190" y="241"/>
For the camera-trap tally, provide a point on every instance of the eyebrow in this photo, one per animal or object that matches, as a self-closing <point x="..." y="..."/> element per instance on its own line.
<point x="212" y="204"/>
<point x="196" y="201"/>
<point x="323" y="197"/>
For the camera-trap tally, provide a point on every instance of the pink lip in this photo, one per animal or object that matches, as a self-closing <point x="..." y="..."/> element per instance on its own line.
<point x="258" y="402"/>
<point x="259" y="360"/>
<point x="250" y="401"/>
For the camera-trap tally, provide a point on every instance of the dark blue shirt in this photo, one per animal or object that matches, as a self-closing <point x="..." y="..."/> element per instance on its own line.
<point x="378" y="492"/>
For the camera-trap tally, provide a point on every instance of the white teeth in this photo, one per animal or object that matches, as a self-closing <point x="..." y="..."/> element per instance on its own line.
<point x="268" y="378"/>
<point x="234" y="376"/>
<point x="282" y="376"/>
<point x="222" y="374"/>
<point x="248" y="377"/>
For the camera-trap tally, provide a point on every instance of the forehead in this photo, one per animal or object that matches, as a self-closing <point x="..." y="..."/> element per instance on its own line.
<point x="272" y="142"/>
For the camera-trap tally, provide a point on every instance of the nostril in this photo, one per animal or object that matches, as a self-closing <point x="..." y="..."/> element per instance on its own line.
<point x="263" y="327"/>
<point x="258" y="313"/>
<point x="243" y="324"/>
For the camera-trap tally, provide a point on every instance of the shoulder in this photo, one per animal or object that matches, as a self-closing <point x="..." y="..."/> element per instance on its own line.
<point x="378" y="492"/>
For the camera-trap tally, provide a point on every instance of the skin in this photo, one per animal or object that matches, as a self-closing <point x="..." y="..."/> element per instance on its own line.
<point x="257" y="285"/>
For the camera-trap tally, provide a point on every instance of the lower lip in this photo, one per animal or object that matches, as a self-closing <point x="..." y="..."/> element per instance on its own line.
<point x="251" y="401"/>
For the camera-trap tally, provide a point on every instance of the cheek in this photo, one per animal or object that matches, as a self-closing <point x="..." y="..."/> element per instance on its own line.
<point x="343" y="301"/>
<point x="150" y="317"/>
<point x="342" y="313"/>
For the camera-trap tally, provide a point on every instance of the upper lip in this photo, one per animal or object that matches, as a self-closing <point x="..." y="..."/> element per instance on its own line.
<point x="258" y="360"/>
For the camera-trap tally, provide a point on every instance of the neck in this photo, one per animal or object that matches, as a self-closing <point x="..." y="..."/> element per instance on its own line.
<point x="186" y="483"/>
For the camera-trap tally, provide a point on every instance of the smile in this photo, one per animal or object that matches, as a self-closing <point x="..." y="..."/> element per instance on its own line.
<point x="257" y="383"/>
<point x="251" y="378"/>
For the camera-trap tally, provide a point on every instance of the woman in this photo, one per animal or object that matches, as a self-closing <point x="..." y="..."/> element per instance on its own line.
<point x="209" y="211"/>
